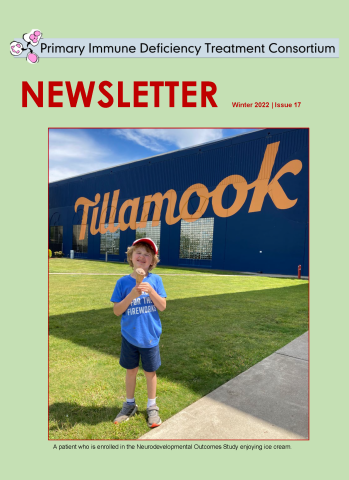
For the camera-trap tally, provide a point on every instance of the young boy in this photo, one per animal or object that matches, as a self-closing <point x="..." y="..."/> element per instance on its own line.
<point x="140" y="326"/>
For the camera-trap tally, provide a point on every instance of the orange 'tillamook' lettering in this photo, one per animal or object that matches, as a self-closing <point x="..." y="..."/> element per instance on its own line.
<point x="262" y="187"/>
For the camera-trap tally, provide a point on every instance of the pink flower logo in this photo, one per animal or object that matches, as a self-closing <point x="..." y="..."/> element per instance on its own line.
<point x="16" y="48"/>
<point x="32" y="38"/>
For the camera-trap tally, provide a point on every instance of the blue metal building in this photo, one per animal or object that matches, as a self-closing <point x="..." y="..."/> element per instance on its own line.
<point x="240" y="203"/>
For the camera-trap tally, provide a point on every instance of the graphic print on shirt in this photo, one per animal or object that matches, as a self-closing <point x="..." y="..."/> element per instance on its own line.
<point x="142" y="304"/>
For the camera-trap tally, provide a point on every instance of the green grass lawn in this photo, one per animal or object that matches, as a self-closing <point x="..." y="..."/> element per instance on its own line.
<point x="65" y="265"/>
<point x="213" y="329"/>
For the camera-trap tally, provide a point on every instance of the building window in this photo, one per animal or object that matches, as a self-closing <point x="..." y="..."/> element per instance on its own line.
<point x="80" y="246"/>
<point x="56" y="238"/>
<point x="56" y="234"/>
<point x="110" y="242"/>
<point x="150" y="232"/>
<point x="196" y="239"/>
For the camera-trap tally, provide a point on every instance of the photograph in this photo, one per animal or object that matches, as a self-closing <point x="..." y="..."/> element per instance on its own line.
<point x="178" y="284"/>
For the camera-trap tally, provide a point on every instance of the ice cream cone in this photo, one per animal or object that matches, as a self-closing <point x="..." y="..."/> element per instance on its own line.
<point x="140" y="274"/>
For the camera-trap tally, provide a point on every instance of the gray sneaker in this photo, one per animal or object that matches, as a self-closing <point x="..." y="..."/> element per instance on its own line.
<point x="153" y="416"/>
<point x="127" y="411"/>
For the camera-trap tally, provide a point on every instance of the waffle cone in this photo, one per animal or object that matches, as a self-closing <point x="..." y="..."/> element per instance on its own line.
<point x="140" y="274"/>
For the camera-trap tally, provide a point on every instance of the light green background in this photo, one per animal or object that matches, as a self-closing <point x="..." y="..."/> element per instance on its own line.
<point x="318" y="84"/>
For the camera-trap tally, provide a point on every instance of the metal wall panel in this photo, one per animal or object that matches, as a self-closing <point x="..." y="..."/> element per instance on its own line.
<point x="272" y="240"/>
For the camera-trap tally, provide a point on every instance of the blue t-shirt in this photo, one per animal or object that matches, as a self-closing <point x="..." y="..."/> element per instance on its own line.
<point x="140" y="324"/>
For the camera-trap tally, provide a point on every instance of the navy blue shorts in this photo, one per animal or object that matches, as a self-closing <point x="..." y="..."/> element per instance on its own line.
<point x="129" y="356"/>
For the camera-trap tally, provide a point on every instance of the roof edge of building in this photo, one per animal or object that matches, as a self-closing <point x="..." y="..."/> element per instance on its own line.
<point x="158" y="155"/>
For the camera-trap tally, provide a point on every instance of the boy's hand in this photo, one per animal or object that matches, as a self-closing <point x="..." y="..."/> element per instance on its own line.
<point x="145" y="287"/>
<point x="159" y="302"/>
<point x="136" y="292"/>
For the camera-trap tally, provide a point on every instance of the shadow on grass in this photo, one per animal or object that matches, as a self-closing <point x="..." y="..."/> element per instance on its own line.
<point x="63" y="412"/>
<point x="207" y="340"/>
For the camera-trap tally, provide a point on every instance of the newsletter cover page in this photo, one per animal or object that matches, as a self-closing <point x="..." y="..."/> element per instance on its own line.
<point x="174" y="239"/>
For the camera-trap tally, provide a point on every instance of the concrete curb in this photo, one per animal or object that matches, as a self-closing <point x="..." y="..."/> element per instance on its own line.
<point x="267" y="402"/>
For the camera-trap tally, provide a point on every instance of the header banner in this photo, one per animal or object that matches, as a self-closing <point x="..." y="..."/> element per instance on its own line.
<point x="184" y="48"/>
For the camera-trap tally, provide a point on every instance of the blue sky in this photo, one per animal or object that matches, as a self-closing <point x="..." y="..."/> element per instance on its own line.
<point x="75" y="152"/>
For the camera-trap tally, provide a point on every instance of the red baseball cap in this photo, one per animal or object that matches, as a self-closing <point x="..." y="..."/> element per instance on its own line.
<point x="149" y="241"/>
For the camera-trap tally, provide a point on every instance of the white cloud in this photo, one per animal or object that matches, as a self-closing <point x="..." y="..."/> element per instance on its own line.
<point x="67" y="145"/>
<point x="73" y="152"/>
<point x="158" y="140"/>
<point x="59" y="172"/>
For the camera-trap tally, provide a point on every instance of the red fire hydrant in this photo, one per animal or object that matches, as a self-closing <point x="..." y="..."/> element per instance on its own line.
<point x="299" y="271"/>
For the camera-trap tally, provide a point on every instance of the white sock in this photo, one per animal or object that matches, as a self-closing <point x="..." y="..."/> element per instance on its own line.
<point x="151" y="402"/>
<point x="130" y="400"/>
